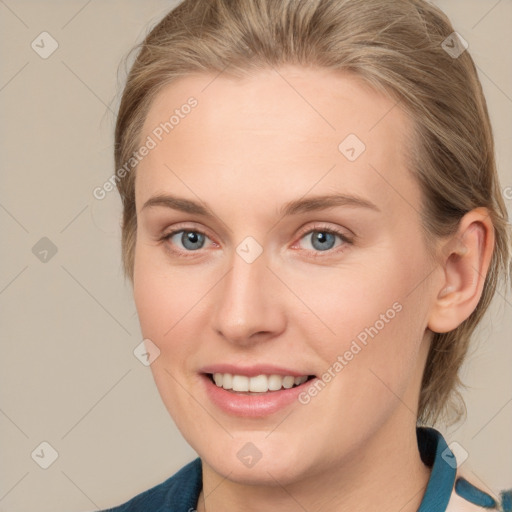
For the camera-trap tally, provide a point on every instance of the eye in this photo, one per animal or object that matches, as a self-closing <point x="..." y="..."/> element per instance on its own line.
<point x="323" y="239"/>
<point x="190" y="239"/>
<point x="320" y="239"/>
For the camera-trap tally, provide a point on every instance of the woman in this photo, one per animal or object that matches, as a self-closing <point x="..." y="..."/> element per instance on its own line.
<point x="313" y="227"/>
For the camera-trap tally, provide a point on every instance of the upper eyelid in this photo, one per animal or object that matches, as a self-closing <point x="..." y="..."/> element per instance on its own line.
<point x="322" y="227"/>
<point x="179" y="229"/>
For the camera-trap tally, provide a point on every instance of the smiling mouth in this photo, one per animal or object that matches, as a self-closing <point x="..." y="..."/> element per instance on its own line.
<point x="258" y="384"/>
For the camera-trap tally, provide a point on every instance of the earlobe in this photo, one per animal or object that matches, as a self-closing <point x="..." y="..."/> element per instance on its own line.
<point x="465" y="260"/>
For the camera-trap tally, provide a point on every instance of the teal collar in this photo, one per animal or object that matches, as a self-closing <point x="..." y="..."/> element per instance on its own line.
<point x="436" y="454"/>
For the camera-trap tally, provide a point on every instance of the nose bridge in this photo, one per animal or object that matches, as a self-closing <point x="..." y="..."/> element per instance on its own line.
<point x="243" y="305"/>
<point x="244" y="287"/>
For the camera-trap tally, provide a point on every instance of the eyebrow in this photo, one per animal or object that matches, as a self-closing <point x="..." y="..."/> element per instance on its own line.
<point x="295" y="207"/>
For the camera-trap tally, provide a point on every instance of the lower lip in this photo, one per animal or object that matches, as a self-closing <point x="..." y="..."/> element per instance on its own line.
<point x="254" y="405"/>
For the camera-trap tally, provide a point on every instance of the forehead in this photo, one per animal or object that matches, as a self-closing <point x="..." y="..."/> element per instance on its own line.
<point x="284" y="128"/>
<point x="318" y="101"/>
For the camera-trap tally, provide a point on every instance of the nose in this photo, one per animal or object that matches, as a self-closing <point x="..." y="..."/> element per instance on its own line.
<point x="249" y="303"/>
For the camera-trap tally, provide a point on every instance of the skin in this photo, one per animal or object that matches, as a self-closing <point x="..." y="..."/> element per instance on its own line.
<point x="249" y="147"/>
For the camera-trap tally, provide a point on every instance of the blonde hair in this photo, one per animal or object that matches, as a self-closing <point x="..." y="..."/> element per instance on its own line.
<point x="393" y="45"/>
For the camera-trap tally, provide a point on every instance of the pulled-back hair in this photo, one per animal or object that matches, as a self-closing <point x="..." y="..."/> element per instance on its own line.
<point x="398" y="47"/>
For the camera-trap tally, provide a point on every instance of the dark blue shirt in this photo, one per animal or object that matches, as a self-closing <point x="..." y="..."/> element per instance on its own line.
<point x="180" y="492"/>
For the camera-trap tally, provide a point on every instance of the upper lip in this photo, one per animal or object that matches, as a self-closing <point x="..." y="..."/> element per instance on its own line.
<point x="251" y="371"/>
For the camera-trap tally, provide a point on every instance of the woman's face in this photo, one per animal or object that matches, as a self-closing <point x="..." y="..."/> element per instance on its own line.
<point x="264" y="277"/>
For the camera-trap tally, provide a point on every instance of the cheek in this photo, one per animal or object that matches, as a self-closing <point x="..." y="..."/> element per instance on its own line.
<point x="163" y="297"/>
<point x="359" y="301"/>
<point x="165" y="305"/>
<point x="162" y="292"/>
<point x="155" y="303"/>
<point x="373" y="319"/>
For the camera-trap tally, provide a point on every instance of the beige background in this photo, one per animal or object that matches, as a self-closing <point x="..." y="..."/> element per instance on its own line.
<point x="69" y="328"/>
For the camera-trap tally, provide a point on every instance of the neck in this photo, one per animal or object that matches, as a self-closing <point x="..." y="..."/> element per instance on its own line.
<point x="386" y="473"/>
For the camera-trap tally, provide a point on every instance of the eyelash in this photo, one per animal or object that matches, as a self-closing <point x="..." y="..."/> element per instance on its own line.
<point x="316" y="228"/>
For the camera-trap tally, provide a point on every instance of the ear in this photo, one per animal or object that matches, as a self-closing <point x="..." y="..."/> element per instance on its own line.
<point x="466" y="257"/>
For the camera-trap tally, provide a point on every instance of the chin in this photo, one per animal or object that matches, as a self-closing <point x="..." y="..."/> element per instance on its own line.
<point x="247" y="464"/>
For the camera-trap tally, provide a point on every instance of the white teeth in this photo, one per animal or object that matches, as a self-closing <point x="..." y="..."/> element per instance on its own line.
<point x="258" y="384"/>
<point x="227" y="380"/>
<point x="275" y="382"/>
<point x="288" y="382"/>
<point x="240" y="383"/>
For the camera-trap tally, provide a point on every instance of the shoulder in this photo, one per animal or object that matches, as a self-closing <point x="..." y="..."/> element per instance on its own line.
<point x="468" y="496"/>
<point x="177" y="493"/>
